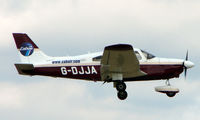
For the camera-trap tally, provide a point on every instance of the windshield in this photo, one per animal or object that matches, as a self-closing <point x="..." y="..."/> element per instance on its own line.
<point x="138" y="55"/>
<point x="147" y="55"/>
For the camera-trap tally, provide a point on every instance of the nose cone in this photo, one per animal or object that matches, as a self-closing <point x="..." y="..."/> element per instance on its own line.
<point x="188" y="64"/>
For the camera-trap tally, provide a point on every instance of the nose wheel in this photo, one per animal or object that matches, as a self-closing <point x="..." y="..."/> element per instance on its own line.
<point x="169" y="90"/>
<point x="171" y="94"/>
<point x="121" y="87"/>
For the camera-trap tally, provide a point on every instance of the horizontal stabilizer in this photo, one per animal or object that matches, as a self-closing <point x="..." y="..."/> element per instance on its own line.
<point x="24" y="69"/>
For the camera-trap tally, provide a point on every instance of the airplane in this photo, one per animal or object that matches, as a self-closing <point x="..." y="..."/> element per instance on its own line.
<point x="118" y="63"/>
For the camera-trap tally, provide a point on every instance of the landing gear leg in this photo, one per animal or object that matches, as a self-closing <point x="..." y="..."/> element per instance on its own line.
<point x="167" y="82"/>
<point x="121" y="87"/>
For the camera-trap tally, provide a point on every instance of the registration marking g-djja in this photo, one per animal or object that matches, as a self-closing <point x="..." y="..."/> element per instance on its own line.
<point x="75" y="71"/>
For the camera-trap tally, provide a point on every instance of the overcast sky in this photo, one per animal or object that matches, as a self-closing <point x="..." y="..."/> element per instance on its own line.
<point x="166" y="28"/>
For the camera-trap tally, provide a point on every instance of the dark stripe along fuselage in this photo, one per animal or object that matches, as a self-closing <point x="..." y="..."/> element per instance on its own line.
<point x="92" y="72"/>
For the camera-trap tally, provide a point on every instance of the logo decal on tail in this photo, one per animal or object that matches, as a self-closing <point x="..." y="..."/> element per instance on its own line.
<point x="26" y="49"/>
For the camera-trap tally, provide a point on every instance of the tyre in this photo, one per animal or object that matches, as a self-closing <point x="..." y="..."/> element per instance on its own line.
<point x="170" y="94"/>
<point x="122" y="95"/>
<point x="121" y="86"/>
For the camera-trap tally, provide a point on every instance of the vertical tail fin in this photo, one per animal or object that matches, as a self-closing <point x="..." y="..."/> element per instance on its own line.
<point x="28" y="50"/>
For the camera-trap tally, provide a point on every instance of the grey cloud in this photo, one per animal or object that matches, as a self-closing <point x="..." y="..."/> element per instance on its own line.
<point x="11" y="7"/>
<point x="63" y="99"/>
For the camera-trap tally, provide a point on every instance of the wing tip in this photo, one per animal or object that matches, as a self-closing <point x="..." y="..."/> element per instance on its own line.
<point x="119" y="47"/>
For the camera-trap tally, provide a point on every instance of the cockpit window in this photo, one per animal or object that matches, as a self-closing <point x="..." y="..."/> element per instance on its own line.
<point x="138" y="55"/>
<point x="98" y="58"/>
<point x="147" y="55"/>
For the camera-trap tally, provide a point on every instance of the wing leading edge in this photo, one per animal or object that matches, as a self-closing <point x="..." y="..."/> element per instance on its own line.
<point x="118" y="62"/>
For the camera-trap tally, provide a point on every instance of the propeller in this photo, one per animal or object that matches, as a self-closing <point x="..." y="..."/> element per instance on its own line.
<point x="187" y="64"/>
<point x="186" y="58"/>
<point x="185" y="67"/>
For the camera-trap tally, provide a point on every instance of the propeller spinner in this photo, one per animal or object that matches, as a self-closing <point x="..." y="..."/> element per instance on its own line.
<point x="187" y="64"/>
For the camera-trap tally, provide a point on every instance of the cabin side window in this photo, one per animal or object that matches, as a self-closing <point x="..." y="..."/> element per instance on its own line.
<point x="98" y="58"/>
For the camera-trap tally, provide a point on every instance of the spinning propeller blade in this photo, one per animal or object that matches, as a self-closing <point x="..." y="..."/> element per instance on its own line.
<point x="186" y="58"/>
<point x="185" y="68"/>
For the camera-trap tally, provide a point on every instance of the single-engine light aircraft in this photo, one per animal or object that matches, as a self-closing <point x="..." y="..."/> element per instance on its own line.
<point x="118" y="63"/>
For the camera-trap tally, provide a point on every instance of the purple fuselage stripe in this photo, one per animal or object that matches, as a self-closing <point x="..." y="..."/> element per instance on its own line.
<point x="92" y="72"/>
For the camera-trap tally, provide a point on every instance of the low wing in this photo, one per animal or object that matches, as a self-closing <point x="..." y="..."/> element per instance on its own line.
<point x="118" y="62"/>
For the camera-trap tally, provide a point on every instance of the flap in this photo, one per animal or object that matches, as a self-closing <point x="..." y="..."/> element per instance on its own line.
<point x="120" y="59"/>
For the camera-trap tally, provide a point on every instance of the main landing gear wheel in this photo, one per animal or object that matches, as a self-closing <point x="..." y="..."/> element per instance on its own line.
<point x="120" y="86"/>
<point x="122" y="95"/>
